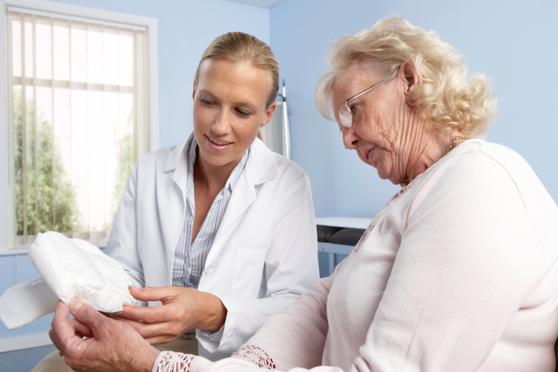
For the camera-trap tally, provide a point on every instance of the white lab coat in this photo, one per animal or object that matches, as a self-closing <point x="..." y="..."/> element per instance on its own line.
<point x="264" y="254"/>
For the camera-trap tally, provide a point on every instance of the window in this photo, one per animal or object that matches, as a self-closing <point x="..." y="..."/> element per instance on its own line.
<point x="80" y="99"/>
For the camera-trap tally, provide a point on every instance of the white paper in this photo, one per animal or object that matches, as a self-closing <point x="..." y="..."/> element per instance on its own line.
<point x="26" y="302"/>
<point x="71" y="268"/>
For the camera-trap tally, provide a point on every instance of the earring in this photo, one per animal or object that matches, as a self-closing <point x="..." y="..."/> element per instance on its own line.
<point x="411" y="100"/>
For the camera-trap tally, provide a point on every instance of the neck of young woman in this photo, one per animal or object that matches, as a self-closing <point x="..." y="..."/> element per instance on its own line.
<point x="212" y="177"/>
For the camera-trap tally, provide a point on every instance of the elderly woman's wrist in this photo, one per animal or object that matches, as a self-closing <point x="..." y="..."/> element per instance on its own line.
<point x="145" y="360"/>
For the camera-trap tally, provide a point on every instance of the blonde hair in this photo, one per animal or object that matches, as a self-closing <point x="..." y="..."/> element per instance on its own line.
<point x="238" y="47"/>
<point x="443" y="94"/>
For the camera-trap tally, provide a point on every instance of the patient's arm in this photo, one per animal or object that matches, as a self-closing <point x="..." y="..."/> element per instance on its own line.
<point x="111" y="346"/>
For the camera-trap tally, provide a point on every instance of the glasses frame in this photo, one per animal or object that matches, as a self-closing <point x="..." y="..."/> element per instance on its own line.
<point x="345" y="114"/>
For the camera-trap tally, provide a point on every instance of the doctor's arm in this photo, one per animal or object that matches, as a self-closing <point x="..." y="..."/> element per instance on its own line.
<point x="181" y="309"/>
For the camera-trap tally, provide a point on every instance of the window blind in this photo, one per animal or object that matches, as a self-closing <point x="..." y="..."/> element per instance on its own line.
<point x="78" y="91"/>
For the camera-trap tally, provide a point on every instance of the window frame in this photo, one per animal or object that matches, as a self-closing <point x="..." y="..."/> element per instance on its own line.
<point x="7" y="185"/>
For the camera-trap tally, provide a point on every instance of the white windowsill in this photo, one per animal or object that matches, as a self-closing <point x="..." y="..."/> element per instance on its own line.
<point x="24" y="342"/>
<point x="23" y="251"/>
<point x="13" y="252"/>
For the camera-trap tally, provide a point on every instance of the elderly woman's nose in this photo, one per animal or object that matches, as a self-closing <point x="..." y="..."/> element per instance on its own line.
<point x="350" y="139"/>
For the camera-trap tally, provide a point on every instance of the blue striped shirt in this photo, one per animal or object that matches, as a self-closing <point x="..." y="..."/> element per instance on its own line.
<point x="190" y="256"/>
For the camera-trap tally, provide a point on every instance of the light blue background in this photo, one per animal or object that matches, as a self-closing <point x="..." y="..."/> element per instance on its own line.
<point x="514" y="42"/>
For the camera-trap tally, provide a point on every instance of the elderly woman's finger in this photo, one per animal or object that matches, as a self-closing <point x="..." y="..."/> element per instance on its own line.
<point x="61" y="311"/>
<point x="55" y="340"/>
<point x="62" y="329"/>
<point x="88" y="316"/>
<point x="81" y="329"/>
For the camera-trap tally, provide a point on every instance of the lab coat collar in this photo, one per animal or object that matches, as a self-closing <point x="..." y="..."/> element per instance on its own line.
<point x="262" y="163"/>
<point x="262" y="166"/>
<point x="177" y="156"/>
<point x="177" y="164"/>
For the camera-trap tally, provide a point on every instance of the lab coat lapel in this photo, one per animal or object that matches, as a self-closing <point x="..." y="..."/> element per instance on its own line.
<point x="260" y="167"/>
<point x="173" y="197"/>
<point x="243" y="195"/>
<point x="177" y="164"/>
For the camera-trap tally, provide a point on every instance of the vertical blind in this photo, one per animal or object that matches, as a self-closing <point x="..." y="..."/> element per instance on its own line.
<point x="78" y="91"/>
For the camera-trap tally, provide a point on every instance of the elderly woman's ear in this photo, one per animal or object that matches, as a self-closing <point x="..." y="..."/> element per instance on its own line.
<point x="408" y="73"/>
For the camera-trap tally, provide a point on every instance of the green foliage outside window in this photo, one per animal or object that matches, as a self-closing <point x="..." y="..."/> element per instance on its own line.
<point x="126" y="160"/>
<point x="48" y="201"/>
<point x="44" y="198"/>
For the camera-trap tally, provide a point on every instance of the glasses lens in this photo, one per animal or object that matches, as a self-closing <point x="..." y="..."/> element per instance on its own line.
<point x="345" y="117"/>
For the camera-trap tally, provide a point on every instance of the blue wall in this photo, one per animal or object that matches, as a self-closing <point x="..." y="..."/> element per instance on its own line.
<point x="514" y="43"/>
<point x="185" y="30"/>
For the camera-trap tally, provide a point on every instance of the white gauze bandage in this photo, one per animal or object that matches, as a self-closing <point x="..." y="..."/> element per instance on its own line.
<point x="71" y="268"/>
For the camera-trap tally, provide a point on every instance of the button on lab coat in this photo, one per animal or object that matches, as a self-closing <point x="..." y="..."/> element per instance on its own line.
<point x="264" y="254"/>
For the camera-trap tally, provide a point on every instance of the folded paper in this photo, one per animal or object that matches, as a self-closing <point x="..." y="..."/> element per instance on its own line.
<point x="71" y="268"/>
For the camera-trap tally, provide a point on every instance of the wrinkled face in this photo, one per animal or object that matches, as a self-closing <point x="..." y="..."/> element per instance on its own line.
<point x="385" y="129"/>
<point x="229" y="108"/>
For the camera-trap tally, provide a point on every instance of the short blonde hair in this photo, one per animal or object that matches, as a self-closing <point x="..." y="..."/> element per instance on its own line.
<point x="444" y="94"/>
<point x="238" y="47"/>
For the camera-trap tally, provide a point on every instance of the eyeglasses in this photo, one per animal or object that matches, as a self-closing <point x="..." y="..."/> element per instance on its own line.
<point x="345" y="113"/>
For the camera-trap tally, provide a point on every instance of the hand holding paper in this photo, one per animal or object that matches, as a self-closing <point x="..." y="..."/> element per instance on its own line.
<point x="71" y="268"/>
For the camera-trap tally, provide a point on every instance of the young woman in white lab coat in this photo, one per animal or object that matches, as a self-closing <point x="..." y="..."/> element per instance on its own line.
<point x="263" y="255"/>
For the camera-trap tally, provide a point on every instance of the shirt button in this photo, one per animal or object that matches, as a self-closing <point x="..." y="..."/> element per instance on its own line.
<point x="209" y="270"/>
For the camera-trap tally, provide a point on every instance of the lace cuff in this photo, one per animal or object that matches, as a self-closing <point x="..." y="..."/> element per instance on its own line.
<point x="169" y="361"/>
<point x="255" y="355"/>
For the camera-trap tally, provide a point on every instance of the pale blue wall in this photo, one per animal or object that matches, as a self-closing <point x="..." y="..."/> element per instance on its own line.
<point x="514" y="42"/>
<point x="185" y="30"/>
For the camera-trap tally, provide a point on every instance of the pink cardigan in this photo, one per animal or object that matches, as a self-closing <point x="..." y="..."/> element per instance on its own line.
<point x="458" y="273"/>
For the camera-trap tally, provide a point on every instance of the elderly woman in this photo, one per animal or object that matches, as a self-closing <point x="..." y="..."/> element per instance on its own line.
<point x="457" y="273"/>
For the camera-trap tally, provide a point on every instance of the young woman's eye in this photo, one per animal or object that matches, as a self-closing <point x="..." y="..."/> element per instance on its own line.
<point x="242" y="112"/>
<point x="206" y="101"/>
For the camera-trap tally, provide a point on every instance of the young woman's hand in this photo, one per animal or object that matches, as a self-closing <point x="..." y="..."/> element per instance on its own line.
<point x="181" y="310"/>
<point x="94" y="342"/>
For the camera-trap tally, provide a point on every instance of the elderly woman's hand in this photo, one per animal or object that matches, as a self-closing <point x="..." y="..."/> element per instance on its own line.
<point x="182" y="309"/>
<point x="93" y="341"/>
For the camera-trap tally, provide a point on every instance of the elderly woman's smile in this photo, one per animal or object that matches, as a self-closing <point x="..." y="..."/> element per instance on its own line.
<point x="368" y="154"/>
